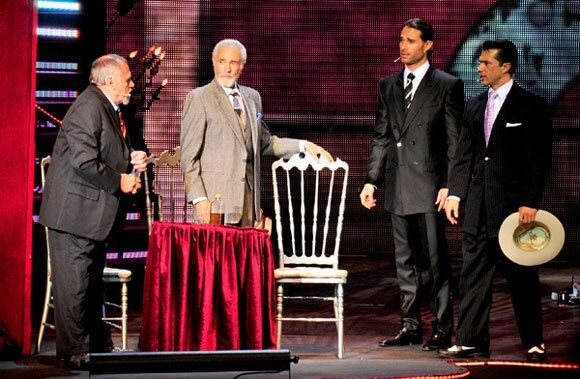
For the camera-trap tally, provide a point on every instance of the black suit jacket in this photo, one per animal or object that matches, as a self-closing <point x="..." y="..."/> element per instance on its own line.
<point x="411" y="153"/>
<point x="512" y="171"/>
<point x="81" y="195"/>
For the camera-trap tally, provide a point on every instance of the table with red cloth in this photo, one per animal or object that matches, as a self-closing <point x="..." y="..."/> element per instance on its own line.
<point x="208" y="287"/>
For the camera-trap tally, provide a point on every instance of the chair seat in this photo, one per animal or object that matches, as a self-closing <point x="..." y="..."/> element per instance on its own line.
<point x="116" y="274"/>
<point x="309" y="273"/>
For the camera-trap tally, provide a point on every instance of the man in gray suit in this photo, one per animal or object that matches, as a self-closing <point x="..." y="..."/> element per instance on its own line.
<point x="415" y="137"/>
<point x="89" y="172"/>
<point x="222" y="137"/>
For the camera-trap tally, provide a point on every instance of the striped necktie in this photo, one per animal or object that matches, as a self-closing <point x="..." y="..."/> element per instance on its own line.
<point x="408" y="92"/>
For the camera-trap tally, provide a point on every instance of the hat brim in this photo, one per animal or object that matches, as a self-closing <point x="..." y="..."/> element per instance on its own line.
<point x="531" y="257"/>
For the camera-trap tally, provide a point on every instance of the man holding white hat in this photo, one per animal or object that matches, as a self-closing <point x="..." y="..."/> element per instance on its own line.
<point x="501" y="166"/>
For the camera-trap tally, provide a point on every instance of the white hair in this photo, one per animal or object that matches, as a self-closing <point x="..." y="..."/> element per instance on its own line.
<point x="230" y="43"/>
<point x="107" y="65"/>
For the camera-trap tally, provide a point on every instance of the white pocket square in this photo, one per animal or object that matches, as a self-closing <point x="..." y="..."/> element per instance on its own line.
<point x="510" y="125"/>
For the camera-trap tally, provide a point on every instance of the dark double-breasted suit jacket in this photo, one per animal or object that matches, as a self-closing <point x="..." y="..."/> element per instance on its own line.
<point x="513" y="169"/>
<point x="410" y="153"/>
<point x="82" y="194"/>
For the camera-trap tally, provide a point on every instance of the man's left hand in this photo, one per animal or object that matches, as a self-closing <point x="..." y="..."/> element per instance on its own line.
<point x="527" y="214"/>
<point x="317" y="151"/>
<point x="441" y="198"/>
<point x="139" y="160"/>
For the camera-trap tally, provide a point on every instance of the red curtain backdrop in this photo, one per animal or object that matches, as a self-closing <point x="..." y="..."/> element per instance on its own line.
<point x="17" y="86"/>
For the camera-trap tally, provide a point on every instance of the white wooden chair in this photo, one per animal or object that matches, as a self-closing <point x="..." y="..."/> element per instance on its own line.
<point x="110" y="275"/>
<point x="312" y="258"/>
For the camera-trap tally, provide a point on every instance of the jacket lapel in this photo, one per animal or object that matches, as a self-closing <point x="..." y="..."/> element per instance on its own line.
<point x="222" y="102"/>
<point x="478" y="121"/>
<point x="399" y="106"/>
<point x="502" y="116"/>
<point x="422" y="93"/>
<point x="251" y="114"/>
<point x="113" y="119"/>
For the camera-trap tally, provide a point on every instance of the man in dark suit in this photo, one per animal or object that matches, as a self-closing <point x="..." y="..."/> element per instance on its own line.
<point x="223" y="137"/>
<point x="415" y="136"/>
<point x="501" y="166"/>
<point x="89" y="172"/>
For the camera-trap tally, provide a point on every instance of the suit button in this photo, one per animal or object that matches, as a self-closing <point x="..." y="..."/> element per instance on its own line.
<point x="412" y="142"/>
<point x="486" y="159"/>
<point x="399" y="144"/>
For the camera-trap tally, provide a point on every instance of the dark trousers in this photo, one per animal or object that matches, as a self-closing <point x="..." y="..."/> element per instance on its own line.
<point x="421" y="238"/>
<point x="480" y="255"/>
<point x="77" y="277"/>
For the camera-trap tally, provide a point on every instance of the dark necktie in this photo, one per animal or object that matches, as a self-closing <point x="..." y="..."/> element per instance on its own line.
<point x="122" y="124"/>
<point x="408" y="90"/>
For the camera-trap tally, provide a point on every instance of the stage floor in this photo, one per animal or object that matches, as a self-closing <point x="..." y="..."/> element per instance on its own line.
<point x="371" y="314"/>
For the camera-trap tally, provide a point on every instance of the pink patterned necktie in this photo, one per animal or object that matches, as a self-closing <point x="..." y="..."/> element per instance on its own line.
<point x="488" y="117"/>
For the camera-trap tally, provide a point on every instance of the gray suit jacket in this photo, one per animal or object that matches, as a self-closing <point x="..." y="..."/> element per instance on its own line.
<point x="81" y="195"/>
<point x="213" y="151"/>
<point x="411" y="153"/>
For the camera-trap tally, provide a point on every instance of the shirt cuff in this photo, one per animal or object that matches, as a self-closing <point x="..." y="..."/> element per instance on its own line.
<point x="453" y="197"/>
<point x="302" y="145"/>
<point x="372" y="185"/>
<point x="198" y="200"/>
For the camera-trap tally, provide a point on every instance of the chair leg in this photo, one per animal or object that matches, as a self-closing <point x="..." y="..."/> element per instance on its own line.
<point x="47" y="296"/>
<point x="124" y="298"/>
<point x="279" y="316"/>
<point x="340" y="320"/>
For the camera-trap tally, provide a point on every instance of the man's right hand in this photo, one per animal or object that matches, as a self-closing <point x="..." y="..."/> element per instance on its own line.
<point x="130" y="183"/>
<point x="452" y="210"/>
<point x="202" y="210"/>
<point x="366" y="196"/>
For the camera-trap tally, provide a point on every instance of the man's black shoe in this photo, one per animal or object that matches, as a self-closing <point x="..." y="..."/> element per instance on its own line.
<point x="78" y="362"/>
<point x="537" y="354"/>
<point x="463" y="352"/>
<point x="402" y="338"/>
<point x="438" y="340"/>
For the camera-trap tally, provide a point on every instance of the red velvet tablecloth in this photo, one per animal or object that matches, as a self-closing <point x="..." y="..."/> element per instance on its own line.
<point x="208" y="287"/>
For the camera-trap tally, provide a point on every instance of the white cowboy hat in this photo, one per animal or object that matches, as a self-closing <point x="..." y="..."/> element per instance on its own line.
<point x="534" y="243"/>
